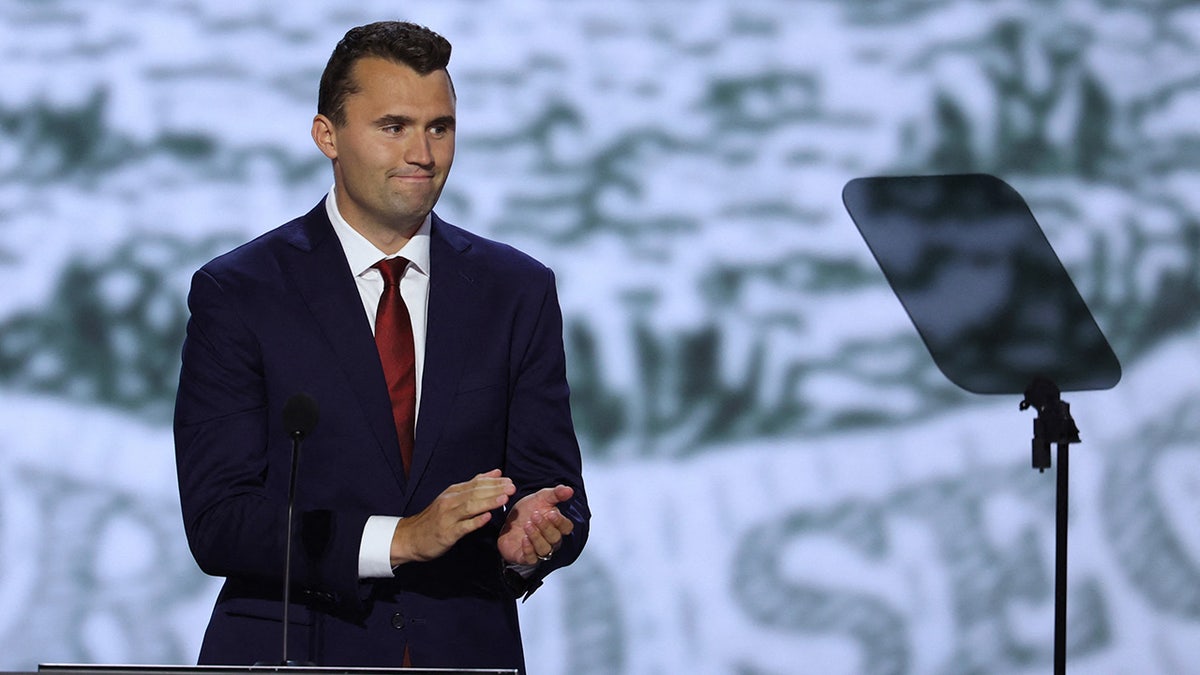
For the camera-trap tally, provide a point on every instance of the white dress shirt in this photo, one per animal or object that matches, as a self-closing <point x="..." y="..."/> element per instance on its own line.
<point x="375" y="549"/>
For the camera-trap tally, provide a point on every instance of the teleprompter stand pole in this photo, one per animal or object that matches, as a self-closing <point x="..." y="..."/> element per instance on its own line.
<point x="1054" y="425"/>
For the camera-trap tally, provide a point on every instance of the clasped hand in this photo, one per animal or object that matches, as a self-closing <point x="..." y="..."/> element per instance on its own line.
<point x="532" y="531"/>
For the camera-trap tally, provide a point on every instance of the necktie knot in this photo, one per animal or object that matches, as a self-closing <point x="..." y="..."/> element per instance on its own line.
<point x="391" y="269"/>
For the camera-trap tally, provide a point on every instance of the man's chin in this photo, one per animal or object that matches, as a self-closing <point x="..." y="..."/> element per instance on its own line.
<point x="409" y="210"/>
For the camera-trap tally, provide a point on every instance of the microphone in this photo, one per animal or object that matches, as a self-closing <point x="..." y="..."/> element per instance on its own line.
<point x="299" y="418"/>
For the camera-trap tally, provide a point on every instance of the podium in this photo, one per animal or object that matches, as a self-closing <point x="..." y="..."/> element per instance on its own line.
<point x="116" y="669"/>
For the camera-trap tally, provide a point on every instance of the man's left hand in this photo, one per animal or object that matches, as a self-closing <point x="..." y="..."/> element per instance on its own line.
<point x="534" y="528"/>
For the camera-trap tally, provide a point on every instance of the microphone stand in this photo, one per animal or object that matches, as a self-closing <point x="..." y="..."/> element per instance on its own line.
<point x="297" y="436"/>
<point x="299" y="418"/>
<point x="1054" y="425"/>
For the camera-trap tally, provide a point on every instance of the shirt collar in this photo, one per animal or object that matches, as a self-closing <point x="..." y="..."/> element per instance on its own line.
<point x="362" y="254"/>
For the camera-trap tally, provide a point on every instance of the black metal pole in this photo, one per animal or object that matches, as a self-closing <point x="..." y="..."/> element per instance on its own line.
<point x="1054" y="425"/>
<point x="287" y="565"/>
<point x="1060" y="566"/>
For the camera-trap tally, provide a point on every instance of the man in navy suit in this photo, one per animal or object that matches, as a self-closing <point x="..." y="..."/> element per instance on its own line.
<point x="391" y="566"/>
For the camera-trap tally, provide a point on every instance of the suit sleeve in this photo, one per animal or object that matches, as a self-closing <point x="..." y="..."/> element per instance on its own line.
<point x="542" y="447"/>
<point x="233" y="471"/>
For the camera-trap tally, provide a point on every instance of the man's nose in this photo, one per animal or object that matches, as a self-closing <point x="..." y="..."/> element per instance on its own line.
<point x="418" y="151"/>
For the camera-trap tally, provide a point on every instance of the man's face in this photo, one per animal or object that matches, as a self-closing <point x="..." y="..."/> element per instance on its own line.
<point x="392" y="156"/>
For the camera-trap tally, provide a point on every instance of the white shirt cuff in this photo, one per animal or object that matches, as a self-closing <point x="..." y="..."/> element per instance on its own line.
<point x="375" y="549"/>
<point x="524" y="570"/>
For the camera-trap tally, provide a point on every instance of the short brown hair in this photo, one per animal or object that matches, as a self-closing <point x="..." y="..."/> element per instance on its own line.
<point x="398" y="41"/>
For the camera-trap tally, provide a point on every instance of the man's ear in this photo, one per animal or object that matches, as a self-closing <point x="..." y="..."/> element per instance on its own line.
<point x="324" y="134"/>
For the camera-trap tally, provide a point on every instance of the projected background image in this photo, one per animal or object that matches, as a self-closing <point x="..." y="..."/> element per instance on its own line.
<point x="782" y="480"/>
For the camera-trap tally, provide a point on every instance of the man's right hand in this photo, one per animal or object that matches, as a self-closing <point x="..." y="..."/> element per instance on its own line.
<point x="461" y="509"/>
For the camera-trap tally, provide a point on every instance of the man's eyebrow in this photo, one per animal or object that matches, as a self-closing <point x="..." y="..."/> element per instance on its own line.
<point x="405" y="120"/>
<point x="389" y="120"/>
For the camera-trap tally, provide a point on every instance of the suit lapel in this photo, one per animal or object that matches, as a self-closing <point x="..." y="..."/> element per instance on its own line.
<point x="319" y="270"/>
<point x="451" y="292"/>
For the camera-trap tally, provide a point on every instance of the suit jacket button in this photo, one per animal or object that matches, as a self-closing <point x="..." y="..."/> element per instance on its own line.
<point x="398" y="621"/>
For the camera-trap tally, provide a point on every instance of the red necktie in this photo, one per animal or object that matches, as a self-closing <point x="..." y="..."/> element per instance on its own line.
<point x="394" y="338"/>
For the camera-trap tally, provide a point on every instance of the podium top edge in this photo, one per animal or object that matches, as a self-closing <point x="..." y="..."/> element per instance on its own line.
<point x="131" y="669"/>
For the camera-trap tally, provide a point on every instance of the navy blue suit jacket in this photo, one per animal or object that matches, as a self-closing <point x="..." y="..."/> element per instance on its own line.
<point x="281" y="315"/>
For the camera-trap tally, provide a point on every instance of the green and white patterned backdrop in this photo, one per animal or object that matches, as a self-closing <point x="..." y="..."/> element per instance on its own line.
<point x="781" y="479"/>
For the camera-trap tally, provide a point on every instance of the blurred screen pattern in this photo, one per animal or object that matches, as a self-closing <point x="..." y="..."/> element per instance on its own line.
<point x="782" y="480"/>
